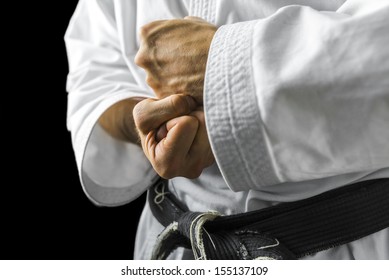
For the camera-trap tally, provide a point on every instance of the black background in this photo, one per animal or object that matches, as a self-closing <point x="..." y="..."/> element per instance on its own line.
<point x="44" y="212"/>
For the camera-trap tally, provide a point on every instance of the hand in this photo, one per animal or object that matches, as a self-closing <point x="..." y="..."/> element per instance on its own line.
<point x="174" y="54"/>
<point x="173" y="136"/>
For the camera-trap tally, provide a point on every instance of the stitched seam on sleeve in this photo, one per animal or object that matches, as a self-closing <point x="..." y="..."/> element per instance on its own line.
<point x="232" y="113"/>
<point x="237" y="80"/>
<point x="245" y="112"/>
<point x="226" y="67"/>
<point x="217" y="117"/>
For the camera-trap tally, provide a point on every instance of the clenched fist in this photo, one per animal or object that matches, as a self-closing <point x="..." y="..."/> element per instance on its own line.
<point x="174" y="54"/>
<point x="173" y="136"/>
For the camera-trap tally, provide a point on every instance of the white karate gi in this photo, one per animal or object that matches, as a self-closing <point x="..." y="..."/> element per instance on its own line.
<point x="296" y="103"/>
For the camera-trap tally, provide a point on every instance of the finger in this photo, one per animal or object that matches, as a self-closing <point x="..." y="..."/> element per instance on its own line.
<point x="181" y="132"/>
<point x="202" y="131"/>
<point x="200" y="147"/>
<point x="202" y="135"/>
<point x="161" y="133"/>
<point x="171" y="152"/>
<point x="150" y="114"/>
<point x="148" y="144"/>
<point x="162" y="130"/>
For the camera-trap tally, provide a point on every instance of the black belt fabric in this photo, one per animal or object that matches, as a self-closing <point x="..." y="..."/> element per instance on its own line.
<point x="285" y="231"/>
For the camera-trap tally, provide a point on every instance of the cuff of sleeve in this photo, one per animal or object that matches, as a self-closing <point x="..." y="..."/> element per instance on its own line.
<point x="112" y="172"/>
<point x="233" y="120"/>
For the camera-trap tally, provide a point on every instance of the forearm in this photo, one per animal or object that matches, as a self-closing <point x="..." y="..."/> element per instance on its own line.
<point x="118" y="121"/>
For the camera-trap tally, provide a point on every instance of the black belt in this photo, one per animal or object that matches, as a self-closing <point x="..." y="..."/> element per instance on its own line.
<point x="285" y="231"/>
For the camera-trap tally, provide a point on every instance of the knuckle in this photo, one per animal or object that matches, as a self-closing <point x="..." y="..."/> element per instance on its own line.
<point x="144" y="31"/>
<point x="152" y="82"/>
<point x="141" y="59"/>
<point x="140" y="118"/>
<point x="149" y="80"/>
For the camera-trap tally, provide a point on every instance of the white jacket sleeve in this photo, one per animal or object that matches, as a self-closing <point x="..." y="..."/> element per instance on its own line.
<point x="300" y="95"/>
<point x="112" y="172"/>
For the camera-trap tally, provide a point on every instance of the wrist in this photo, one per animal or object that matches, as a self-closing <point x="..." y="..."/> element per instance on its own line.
<point x="118" y="121"/>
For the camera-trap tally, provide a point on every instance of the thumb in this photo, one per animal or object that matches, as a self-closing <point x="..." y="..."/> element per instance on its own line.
<point x="150" y="114"/>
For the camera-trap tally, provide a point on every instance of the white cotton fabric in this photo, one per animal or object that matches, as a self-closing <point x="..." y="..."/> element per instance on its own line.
<point x="296" y="103"/>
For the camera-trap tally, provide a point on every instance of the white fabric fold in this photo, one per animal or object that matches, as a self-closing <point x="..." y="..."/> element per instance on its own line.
<point x="292" y="97"/>
<point x="112" y="172"/>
